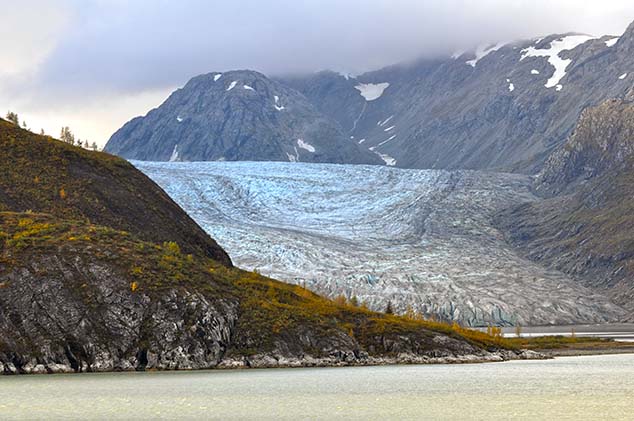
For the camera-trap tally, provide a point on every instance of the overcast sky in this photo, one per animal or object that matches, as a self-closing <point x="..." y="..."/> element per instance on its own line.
<point x="95" y="64"/>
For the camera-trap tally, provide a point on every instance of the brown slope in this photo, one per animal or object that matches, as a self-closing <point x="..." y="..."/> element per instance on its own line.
<point x="44" y="175"/>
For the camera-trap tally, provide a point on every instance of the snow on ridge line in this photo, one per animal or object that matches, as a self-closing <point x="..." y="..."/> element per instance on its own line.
<point x="233" y="85"/>
<point x="371" y="91"/>
<point x="483" y="51"/>
<point x="557" y="46"/>
<point x="612" y="42"/>
<point x="305" y="145"/>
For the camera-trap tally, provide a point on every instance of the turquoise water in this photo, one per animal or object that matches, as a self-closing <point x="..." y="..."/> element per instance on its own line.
<point x="596" y="387"/>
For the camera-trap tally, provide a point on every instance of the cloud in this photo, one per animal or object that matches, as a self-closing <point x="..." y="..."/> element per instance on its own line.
<point x="27" y="37"/>
<point x="70" y="53"/>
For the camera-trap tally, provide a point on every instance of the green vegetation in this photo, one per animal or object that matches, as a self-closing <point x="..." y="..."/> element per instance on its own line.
<point x="45" y="175"/>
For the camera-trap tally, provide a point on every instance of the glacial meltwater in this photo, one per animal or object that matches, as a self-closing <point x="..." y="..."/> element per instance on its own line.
<point x="593" y="387"/>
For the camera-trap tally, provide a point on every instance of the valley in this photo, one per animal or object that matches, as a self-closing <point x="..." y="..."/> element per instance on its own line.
<point x="419" y="239"/>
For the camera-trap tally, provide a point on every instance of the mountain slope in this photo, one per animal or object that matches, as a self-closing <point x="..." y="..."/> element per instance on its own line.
<point x="80" y="293"/>
<point x="239" y="115"/>
<point x="504" y="107"/>
<point x="586" y="228"/>
<point x="44" y="175"/>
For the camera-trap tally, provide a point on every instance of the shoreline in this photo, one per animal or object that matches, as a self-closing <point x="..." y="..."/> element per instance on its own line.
<point x="267" y="361"/>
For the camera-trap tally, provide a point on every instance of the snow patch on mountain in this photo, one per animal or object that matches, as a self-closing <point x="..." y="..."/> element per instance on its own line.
<point x="534" y="72"/>
<point x="248" y="88"/>
<point x="305" y="145"/>
<point x="232" y="85"/>
<point x="386" y="140"/>
<point x="623" y="76"/>
<point x="174" y="156"/>
<point x="552" y="54"/>
<point x="389" y="161"/>
<point x="612" y="42"/>
<point x="217" y="76"/>
<point x="483" y="51"/>
<point x="511" y="86"/>
<point x="384" y="122"/>
<point x="179" y="119"/>
<point x="277" y="105"/>
<point x="372" y="91"/>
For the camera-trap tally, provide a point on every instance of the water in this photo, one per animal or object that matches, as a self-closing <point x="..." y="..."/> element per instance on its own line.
<point x="620" y="332"/>
<point x="595" y="387"/>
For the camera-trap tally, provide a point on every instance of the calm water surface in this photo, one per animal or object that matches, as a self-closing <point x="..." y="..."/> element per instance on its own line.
<point x="597" y="387"/>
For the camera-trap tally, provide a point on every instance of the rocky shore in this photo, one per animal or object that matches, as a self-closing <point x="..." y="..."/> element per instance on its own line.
<point x="340" y="359"/>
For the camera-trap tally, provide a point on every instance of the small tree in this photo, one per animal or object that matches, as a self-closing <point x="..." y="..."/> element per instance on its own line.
<point x="354" y="301"/>
<point x="42" y="132"/>
<point x="388" y="308"/>
<point x="13" y="118"/>
<point x="67" y="136"/>
<point x="94" y="146"/>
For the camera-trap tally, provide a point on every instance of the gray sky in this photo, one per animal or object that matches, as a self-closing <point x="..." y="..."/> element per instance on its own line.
<point x="94" y="64"/>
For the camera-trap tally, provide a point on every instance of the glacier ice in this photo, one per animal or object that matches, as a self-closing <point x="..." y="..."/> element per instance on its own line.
<point x="419" y="238"/>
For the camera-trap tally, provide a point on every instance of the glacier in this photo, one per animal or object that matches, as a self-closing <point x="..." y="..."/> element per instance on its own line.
<point x="420" y="239"/>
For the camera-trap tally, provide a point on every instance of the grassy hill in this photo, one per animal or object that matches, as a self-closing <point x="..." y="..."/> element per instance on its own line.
<point x="41" y="174"/>
<point x="100" y="270"/>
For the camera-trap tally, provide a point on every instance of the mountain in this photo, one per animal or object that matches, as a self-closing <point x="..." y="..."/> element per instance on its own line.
<point x="238" y="115"/>
<point x="422" y="240"/>
<point x="584" y="227"/>
<point x="101" y="271"/>
<point x="504" y="107"/>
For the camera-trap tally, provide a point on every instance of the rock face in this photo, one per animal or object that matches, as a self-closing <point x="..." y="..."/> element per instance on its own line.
<point x="585" y="227"/>
<point x="83" y="293"/>
<point x="237" y="116"/>
<point x="422" y="239"/>
<point x="504" y="107"/>
<point x="602" y="141"/>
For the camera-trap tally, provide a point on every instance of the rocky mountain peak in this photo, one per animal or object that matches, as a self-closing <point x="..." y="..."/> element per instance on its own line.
<point x="237" y="115"/>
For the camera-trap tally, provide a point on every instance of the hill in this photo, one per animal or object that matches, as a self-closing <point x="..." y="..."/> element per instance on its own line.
<point x="87" y="286"/>
<point x="43" y="175"/>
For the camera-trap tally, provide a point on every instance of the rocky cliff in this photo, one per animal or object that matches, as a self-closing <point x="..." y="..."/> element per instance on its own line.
<point x="237" y="116"/>
<point x="85" y="286"/>
<point x="585" y="227"/>
<point x="504" y="106"/>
